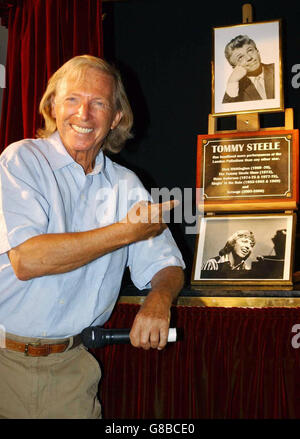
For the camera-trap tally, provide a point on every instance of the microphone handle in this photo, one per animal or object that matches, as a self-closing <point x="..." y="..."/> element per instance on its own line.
<point x="121" y="337"/>
<point x="94" y="337"/>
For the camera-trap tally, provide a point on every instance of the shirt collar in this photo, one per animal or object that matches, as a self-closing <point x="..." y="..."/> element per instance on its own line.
<point x="59" y="157"/>
<point x="99" y="164"/>
<point x="260" y="76"/>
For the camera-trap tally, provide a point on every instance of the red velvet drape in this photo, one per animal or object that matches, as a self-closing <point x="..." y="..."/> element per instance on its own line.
<point x="231" y="363"/>
<point x="42" y="35"/>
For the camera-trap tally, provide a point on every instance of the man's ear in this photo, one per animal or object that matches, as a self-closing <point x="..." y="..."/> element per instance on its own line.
<point x="117" y="118"/>
<point x="53" y="112"/>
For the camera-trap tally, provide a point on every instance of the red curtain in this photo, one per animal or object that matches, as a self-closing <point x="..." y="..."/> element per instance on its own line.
<point x="42" y="35"/>
<point x="232" y="363"/>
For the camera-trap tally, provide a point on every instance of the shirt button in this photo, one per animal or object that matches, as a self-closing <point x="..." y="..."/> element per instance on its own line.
<point x="61" y="302"/>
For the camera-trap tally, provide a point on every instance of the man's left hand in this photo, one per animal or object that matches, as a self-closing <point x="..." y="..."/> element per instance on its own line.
<point x="151" y="325"/>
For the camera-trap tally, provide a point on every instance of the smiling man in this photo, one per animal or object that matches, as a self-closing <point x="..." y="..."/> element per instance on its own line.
<point x="234" y="254"/>
<point x="250" y="79"/>
<point x="71" y="221"/>
<point x="85" y="112"/>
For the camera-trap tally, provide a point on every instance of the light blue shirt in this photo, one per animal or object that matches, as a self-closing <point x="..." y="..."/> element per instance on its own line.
<point x="43" y="190"/>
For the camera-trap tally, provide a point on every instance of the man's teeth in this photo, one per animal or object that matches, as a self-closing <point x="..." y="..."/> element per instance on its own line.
<point x="81" y="129"/>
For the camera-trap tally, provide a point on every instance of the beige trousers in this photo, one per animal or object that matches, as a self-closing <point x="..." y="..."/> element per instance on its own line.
<point x="59" y="386"/>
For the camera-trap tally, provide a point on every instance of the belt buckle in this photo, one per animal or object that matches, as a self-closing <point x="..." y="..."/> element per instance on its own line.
<point x="37" y="343"/>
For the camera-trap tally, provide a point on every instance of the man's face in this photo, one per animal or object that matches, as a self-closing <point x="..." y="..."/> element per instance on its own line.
<point x="242" y="247"/>
<point x="246" y="56"/>
<point x="84" y="111"/>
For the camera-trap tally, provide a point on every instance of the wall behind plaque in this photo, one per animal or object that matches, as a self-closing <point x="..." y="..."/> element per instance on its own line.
<point x="164" y="51"/>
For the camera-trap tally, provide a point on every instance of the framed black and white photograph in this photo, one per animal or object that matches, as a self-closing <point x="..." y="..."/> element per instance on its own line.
<point x="247" y="68"/>
<point x="245" y="249"/>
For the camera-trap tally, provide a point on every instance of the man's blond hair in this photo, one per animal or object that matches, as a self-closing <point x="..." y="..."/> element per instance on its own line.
<point x="75" y="69"/>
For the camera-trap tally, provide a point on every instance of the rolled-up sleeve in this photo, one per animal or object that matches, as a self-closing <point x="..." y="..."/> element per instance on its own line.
<point x="148" y="257"/>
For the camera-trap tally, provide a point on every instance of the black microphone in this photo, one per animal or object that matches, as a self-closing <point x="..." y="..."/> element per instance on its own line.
<point x="97" y="337"/>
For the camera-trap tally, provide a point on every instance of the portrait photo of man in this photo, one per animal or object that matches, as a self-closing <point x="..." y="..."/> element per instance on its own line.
<point x="250" y="79"/>
<point x="234" y="253"/>
<point x="244" y="248"/>
<point x="247" y="68"/>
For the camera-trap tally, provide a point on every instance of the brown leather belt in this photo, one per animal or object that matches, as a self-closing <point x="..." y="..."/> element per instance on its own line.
<point x="41" y="349"/>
